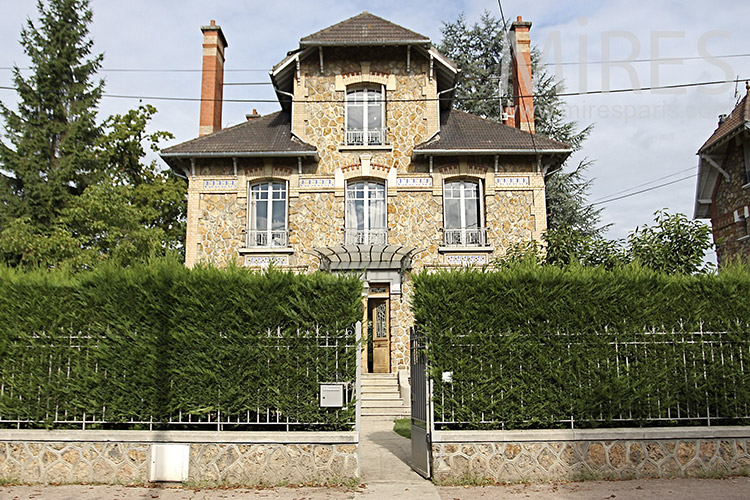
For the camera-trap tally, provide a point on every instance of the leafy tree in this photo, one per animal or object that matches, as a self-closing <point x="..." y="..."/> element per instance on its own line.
<point x="137" y="211"/>
<point x="674" y="244"/>
<point x="481" y="51"/>
<point x="72" y="191"/>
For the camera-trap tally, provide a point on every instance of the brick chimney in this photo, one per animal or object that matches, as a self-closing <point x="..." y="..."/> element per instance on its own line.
<point x="212" y="84"/>
<point x="523" y="89"/>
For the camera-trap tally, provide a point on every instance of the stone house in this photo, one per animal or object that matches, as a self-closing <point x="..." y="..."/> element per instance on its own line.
<point x="723" y="191"/>
<point x="366" y="168"/>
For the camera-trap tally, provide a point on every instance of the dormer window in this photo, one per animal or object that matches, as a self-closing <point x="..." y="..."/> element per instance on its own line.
<point x="365" y="116"/>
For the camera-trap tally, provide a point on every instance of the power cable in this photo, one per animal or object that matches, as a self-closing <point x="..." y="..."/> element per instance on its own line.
<point x="645" y="183"/>
<point x="562" y="63"/>
<point x="645" y="190"/>
<point x="429" y="99"/>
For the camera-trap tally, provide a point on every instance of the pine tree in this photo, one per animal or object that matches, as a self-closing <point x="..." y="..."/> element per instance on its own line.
<point x="48" y="155"/>
<point x="482" y="54"/>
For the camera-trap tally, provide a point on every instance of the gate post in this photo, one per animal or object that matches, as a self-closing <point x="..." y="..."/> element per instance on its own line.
<point x="421" y="407"/>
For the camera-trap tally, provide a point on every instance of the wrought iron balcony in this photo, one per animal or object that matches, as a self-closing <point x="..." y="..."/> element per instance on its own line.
<point x="466" y="237"/>
<point x="359" y="137"/>
<point x="366" y="237"/>
<point x="276" y="238"/>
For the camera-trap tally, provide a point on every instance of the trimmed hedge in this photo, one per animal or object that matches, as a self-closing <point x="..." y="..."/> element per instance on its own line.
<point x="539" y="347"/>
<point x="164" y="342"/>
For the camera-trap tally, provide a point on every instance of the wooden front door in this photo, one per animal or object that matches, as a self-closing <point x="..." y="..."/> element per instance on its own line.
<point x="378" y="315"/>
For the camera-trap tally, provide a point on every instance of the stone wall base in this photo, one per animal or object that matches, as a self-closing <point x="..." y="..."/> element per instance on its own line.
<point x="215" y="459"/>
<point x="594" y="455"/>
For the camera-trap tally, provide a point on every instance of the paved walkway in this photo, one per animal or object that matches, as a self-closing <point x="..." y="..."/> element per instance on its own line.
<point x="385" y="469"/>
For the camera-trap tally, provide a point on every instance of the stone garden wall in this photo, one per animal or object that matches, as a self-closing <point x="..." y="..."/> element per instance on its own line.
<point x="590" y="454"/>
<point x="124" y="457"/>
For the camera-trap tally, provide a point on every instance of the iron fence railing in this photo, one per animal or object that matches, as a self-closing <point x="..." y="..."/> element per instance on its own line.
<point x="53" y="363"/>
<point x="359" y="137"/>
<point x="366" y="236"/>
<point x="466" y="237"/>
<point x="275" y="238"/>
<point x="680" y="378"/>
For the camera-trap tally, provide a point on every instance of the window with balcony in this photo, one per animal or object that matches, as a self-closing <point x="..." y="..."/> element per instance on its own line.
<point x="267" y="215"/>
<point x="463" y="215"/>
<point x="365" y="117"/>
<point x="365" y="214"/>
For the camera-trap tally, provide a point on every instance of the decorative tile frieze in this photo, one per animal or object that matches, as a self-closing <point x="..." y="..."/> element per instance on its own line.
<point x="466" y="259"/>
<point x="266" y="260"/>
<point x="316" y="183"/>
<point x="220" y="185"/>
<point x="505" y="181"/>
<point x="414" y="182"/>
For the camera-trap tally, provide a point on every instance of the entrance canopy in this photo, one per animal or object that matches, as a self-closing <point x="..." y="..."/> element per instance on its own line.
<point x="358" y="257"/>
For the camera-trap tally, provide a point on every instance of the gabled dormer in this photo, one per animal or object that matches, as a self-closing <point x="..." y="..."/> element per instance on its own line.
<point x="348" y="86"/>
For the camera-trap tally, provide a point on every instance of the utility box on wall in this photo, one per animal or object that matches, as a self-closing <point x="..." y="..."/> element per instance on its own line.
<point x="170" y="462"/>
<point x="332" y="395"/>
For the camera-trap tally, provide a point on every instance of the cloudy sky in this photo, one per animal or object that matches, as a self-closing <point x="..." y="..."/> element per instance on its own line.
<point x="640" y="139"/>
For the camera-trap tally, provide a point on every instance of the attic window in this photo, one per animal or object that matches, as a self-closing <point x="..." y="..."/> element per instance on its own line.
<point x="365" y="116"/>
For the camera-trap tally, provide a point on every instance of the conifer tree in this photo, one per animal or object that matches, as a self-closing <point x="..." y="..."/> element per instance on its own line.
<point x="47" y="155"/>
<point x="481" y="51"/>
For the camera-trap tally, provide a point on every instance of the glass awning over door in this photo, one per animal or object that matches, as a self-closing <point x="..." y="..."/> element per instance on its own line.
<point x="357" y="257"/>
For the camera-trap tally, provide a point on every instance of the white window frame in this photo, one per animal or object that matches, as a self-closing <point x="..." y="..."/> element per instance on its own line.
<point x="465" y="236"/>
<point x="364" y="103"/>
<point x="366" y="235"/>
<point x="269" y="237"/>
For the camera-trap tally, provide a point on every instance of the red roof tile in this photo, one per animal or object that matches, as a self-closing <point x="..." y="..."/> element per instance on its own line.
<point x="739" y="116"/>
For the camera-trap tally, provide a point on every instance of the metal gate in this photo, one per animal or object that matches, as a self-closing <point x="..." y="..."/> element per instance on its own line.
<point x="421" y="414"/>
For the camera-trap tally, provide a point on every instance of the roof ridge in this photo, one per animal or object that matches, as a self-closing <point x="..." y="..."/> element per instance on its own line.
<point x="342" y="25"/>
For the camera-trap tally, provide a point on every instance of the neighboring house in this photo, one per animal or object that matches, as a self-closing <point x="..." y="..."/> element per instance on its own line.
<point x="366" y="168"/>
<point x="723" y="192"/>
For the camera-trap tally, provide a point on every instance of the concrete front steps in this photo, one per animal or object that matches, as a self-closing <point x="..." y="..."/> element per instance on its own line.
<point x="381" y="397"/>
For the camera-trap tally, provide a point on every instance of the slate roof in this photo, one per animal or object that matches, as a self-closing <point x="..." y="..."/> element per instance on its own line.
<point x="461" y="131"/>
<point x="364" y="29"/>
<point x="271" y="134"/>
<point x="739" y="116"/>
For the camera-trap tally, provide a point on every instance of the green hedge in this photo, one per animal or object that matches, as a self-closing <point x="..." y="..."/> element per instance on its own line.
<point x="164" y="342"/>
<point x="541" y="346"/>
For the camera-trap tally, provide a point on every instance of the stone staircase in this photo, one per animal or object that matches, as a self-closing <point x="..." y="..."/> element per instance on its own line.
<point x="381" y="397"/>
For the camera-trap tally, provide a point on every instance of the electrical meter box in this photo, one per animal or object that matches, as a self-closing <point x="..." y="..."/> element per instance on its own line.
<point x="332" y="395"/>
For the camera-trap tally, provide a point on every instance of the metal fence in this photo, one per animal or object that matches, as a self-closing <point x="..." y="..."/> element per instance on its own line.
<point x="655" y="377"/>
<point x="42" y="371"/>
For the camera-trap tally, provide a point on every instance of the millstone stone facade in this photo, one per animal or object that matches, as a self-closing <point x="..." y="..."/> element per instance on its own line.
<point x="723" y="193"/>
<point x="127" y="461"/>
<point x="367" y="168"/>
<point x="590" y="459"/>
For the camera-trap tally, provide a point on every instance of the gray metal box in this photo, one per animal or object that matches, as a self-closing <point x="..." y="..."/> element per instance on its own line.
<point x="332" y="395"/>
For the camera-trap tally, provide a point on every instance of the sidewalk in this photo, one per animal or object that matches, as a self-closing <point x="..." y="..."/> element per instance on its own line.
<point x="657" y="489"/>
<point x="386" y="475"/>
